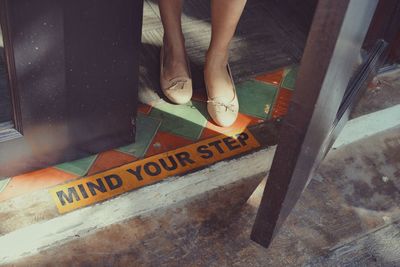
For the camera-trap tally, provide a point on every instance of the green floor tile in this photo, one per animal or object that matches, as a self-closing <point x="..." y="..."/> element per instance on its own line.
<point x="184" y="120"/>
<point x="146" y="128"/>
<point x="3" y="183"/>
<point x="290" y="77"/>
<point x="256" y="98"/>
<point x="79" y="167"/>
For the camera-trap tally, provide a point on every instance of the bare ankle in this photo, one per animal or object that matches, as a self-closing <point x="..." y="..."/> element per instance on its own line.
<point x="216" y="59"/>
<point x="174" y="45"/>
<point x="175" y="61"/>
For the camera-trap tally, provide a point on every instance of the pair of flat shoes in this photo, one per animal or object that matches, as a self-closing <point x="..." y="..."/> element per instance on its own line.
<point x="179" y="90"/>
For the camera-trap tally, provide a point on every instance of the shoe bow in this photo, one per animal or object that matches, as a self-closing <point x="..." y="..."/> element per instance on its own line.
<point x="177" y="84"/>
<point x="230" y="107"/>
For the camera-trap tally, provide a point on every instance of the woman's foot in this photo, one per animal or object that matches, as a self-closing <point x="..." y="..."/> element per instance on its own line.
<point x="222" y="105"/>
<point x="175" y="76"/>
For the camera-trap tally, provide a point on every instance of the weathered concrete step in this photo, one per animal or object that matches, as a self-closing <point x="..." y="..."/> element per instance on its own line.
<point x="379" y="247"/>
<point x="354" y="192"/>
<point x="42" y="235"/>
<point x="32" y="224"/>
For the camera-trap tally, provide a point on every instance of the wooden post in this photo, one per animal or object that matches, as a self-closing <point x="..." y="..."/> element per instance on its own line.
<point x="328" y="62"/>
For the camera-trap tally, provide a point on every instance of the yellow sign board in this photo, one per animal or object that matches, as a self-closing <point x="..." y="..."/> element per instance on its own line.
<point x="92" y="189"/>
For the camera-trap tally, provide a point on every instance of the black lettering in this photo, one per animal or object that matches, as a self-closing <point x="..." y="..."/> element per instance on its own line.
<point x="83" y="191"/>
<point x="229" y="142"/>
<point x="183" y="158"/>
<point x="69" y="198"/>
<point x="136" y="172"/>
<point x="203" y="150"/>
<point x="242" y="138"/>
<point x="157" y="168"/>
<point x="113" y="181"/>
<point x="216" y="144"/>
<point x="172" y="161"/>
<point x="99" y="187"/>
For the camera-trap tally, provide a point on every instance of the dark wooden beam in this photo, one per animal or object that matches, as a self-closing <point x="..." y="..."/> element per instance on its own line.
<point x="328" y="62"/>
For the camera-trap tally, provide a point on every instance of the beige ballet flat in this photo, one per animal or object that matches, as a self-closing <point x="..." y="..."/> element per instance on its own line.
<point x="179" y="89"/>
<point x="224" y="111"/>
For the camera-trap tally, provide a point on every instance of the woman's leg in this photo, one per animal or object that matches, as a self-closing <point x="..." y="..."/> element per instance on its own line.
<point x="225" y="15"/>
<point x="174" y="43"/>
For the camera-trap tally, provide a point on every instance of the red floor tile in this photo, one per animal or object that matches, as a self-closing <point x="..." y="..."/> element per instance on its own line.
<point x="33" y="181"/>
<point x="143" y="108"/>
<point x="110" y="159"/>
<point x="164" y="141"/>
<point x="282" y="103"/>
<point x="272" y="77"/>
<point x="243" y="121"/>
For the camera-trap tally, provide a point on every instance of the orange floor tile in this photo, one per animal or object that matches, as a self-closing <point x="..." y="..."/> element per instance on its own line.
<point x="110" y="159"/>
<point x="272" y="77"/>
<point x="164" y="141"/>
<point x="282" y="103"/>
<point x="241" y="123"/>
<point x="29" y="182"/>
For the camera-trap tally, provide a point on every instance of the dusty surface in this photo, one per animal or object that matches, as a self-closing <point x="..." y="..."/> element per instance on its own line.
<point x="383" y="92"/>
<point x="378" y="248"/>
<point x="356" y="191"/>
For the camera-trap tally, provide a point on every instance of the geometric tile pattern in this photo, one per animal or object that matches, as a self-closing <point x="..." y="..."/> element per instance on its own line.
<point x="146" y="129"/>
<point x="189" y="126"/>
<point x="143" y="108"/>
<point x="165" y="141"/>
<point x="274" y="78"/>
<point x="290" y="77"/>
<point x="243" y="121"/>
<point x="30" y="182"/>
<point x="164" y="127"/>
<point x="256" y="98"/>
<point x="282" y="103"/>
<point x="78" y="167"/>
<point x="108" y="160"/>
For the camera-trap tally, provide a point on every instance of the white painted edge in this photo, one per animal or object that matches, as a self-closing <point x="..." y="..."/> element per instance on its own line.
<point x="37" y="237"/>
<point x="368" y="125"/>
<point x="3" y="186"/>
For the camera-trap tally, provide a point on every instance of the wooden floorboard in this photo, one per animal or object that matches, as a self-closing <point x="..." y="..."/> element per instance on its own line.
<point x="269" y="36"/>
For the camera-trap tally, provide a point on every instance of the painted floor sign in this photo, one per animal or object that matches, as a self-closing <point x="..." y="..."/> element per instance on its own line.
<point x="92" y="189"/>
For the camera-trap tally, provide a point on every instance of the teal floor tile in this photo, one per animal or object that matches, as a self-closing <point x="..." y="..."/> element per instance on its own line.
<point x="79" y="167"/>
<point x="3" y="183"/>
<point x="184" y="120"/>
<point x="256" y="98"/>
<point x="146" y="128"/>
<point x="289" y="79"/>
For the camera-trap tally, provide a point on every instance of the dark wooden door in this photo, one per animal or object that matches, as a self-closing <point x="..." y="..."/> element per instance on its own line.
<point x="324" y="91"/>
<point x="386" y="25"/>
<point x="68" y="77"/>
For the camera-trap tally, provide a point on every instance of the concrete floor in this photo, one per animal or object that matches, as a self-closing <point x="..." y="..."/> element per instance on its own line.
<point x="351" y="203"/>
